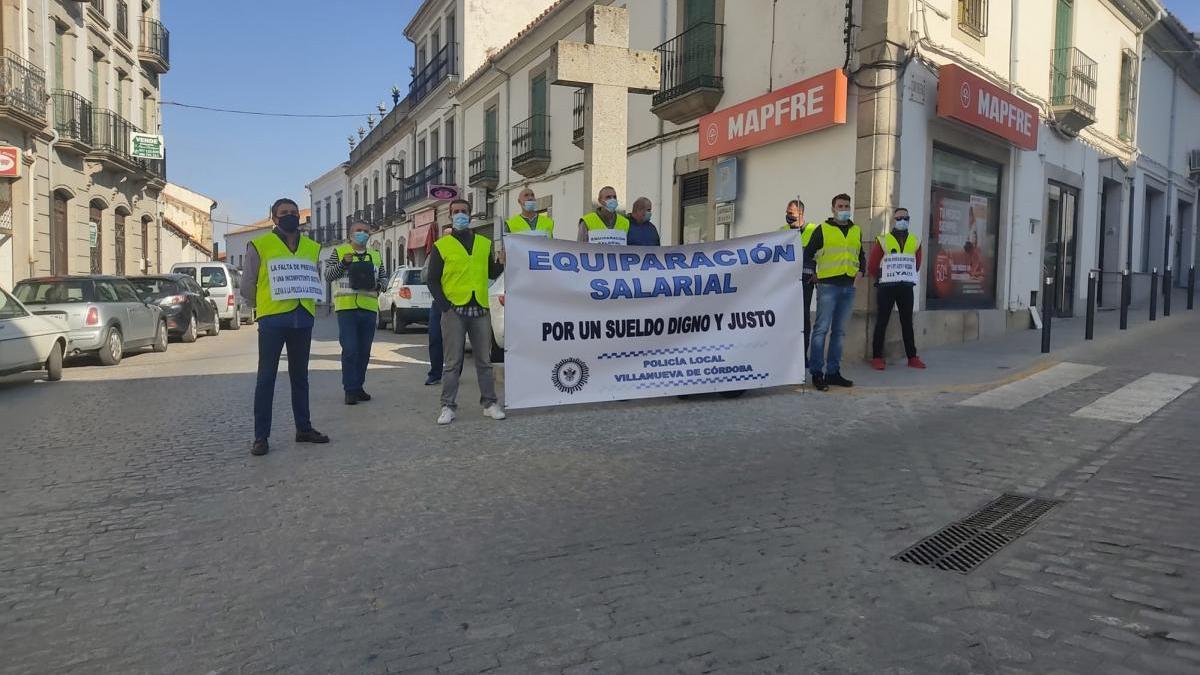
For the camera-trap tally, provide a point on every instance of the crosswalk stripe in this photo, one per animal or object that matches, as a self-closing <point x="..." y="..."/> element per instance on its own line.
<point x="1139" y="399"/>
<point x="1016" y="394"/>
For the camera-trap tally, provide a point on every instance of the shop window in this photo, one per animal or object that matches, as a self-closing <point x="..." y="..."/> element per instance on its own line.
<point x="964" y="232"/>
<point x="696" y="225"/>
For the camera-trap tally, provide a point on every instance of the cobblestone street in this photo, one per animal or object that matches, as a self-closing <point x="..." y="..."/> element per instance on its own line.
<point x="137" y="534"/>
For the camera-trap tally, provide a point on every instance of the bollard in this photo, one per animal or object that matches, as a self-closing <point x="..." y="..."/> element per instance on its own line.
<point x="1191" y="287"/>
<point x="1124" y="299"/>
<point x="1047" y="310"/>
<point x="1167" y="292"/>
<point x="1154" y="295"/>
<point x="1089" y="330"/>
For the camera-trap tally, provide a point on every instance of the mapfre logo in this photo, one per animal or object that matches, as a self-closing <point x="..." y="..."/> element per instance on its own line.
<point x="10" y="161"/>
<point x="711" y="135"/>
<point x="964" y="95"/>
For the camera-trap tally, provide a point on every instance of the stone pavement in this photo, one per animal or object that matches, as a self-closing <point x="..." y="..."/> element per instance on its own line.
<point x="708" y="535"/>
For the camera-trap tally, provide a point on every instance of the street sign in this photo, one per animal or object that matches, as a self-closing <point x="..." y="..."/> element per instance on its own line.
<point x="146" y="146"/>
<point x="725" y="214"/>
<point x="443" y="192"/>
<point x="10" y="161"/>
<point x="727" y="179"/>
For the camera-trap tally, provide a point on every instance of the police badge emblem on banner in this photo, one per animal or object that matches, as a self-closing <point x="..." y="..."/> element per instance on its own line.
<point x="586" y="323"/>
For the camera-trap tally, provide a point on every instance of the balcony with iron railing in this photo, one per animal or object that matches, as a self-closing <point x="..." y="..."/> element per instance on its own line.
<point x="484" y="165"/>
<point x="22" y="92"/>
<point x="442" y="66"/>
<point x="577" y="116"/>
<point x="531" y="146"/>
<point x="392" y="209"/>
<point x="1072" y="89"/>
<point x="691" y="84"/>
<point x="377" y="212"/>
<point x="416" y="186"/>
<point x="121" y="25"/>
<point x="72" y="120"/>
<point x="154" y="46"/>
<point x="111" y="134"/>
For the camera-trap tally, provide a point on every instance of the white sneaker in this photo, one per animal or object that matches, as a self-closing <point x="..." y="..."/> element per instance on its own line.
<point x="494" y="411"/>
<point x="447" y="416"/>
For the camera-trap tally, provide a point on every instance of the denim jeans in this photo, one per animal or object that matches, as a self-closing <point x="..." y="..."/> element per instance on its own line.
<point x="834" y="306"/>
<point x="293" y="330"/>
<point x="356" y="332"/>
<point x="435" y="342"/>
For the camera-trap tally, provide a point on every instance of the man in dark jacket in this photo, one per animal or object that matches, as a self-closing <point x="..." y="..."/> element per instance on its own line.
<point x="836" y="246"/>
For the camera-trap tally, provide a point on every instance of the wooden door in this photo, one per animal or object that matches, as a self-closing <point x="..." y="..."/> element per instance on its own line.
<point x="59" y="262"/>
<point x="119" y="242"/>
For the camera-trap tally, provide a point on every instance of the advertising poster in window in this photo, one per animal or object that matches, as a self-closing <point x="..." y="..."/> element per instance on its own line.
<point x="963" y="234"/>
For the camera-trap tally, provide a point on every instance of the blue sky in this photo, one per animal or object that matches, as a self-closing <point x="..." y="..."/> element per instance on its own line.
<point x="293" y="56"/>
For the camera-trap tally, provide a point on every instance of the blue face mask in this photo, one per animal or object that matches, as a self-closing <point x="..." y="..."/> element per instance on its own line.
<point x="844" y="216"/>
<point x="361" y="238"/>
<point x="460" y="220"/>
<point x="531" y="205"/>
<point x="647" y="219"/>
<point x="611" y="204"/>
<point x="902" y="224"/>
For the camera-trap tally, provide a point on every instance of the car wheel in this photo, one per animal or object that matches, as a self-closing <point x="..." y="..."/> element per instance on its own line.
<point x="54" y="364"/>
<point x="114" y="348"/>
<point x="380" y="321"/>
<point x="160" y="337"/>
<point x="216" y="327"/>
<point x="236" y="322"/>
<point x="398" y="325"/>
<point x="192" y="331"/>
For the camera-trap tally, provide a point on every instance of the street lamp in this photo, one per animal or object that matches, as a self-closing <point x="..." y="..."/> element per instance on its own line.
<point x="393" y="169"/>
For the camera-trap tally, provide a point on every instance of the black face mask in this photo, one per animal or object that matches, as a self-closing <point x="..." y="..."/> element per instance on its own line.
<point x="289" y="222"/>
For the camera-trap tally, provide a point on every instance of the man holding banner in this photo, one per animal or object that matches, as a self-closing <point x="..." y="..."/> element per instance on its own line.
<point x="605" y="225"/>
<point x="282" y="279"/>
<point x="895" y="262"/>
<point x="794" y="219"/>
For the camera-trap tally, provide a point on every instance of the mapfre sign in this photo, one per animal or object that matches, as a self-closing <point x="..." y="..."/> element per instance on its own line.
<point x="804" y="107"/>
<point x="972" y="100"/>
<point x="10" y="161"/>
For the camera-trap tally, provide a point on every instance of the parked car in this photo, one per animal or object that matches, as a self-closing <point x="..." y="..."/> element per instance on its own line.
<point x="223" y="283"/>
<point x="187" y="308"/>
<point x="496" y="309"/>
<point x="406" y="300"/>
<point x="30" y="341"/>
<point x="105" y="315"/>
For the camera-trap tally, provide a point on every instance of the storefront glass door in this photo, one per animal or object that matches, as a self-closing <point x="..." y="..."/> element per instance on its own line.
<point x="1058" y="257"/>
<point x="964" y="232"/>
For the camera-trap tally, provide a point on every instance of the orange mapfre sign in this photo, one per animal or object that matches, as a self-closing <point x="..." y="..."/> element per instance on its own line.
<point x="10" y="162"/>
<point x="806" y="106"/>
<point x="973" y="100"/>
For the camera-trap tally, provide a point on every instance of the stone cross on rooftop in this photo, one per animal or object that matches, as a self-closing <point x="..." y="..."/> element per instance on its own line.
<point x="608" y="70"/>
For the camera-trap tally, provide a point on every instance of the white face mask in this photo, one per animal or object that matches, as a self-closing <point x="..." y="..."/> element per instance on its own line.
<point x="902" y="224"/>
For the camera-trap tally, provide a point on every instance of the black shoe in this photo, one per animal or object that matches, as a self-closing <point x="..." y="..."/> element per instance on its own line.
<point x="351" y="398"/>
<point x="363" y="396"/>
<point x="837" y="380"/>
<point x="818" y="381"/>
<point x="430" y="381"/>
<point x="260" y="447"/>
<point x="311" y="436"/>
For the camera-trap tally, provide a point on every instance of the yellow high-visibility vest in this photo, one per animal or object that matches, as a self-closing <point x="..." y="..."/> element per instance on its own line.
<point x="839" y="253"/>
<point x="270" y="247"/>
<point x="465" y="275"/>
<point x="889" y="244"/>
<point x="345" y="297"/>
<point x="518" y="224"/>
<point x="591" y="219"/>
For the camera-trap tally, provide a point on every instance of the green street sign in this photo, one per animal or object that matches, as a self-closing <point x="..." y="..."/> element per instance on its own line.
<point x="146" y="146"/>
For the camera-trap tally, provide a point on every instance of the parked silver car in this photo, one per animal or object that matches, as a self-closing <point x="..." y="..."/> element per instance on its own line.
<point x="105" y="314"/>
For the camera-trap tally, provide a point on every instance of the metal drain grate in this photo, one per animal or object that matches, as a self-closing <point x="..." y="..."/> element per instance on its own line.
<point x="964" y="545"/>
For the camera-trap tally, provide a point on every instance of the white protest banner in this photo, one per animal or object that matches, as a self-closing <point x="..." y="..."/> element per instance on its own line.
<point x="295" y="279"/>
<point x="583" y="323"/>
<point x="609" y="237"/>
<point x="898" y="267"/>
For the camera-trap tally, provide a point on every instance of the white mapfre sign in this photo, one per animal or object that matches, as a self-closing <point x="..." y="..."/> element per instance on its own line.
<point x="295" y="279"/>
<point x="898" y="268"/>
<point x="585" y="323"/>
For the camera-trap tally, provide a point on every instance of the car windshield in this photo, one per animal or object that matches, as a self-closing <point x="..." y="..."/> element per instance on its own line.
<point x="412" y="278"/>
<point x="34" y="292"/>
<point x="213" y="277"/>
<point x="154" y="289"/>
<point x="9" y="309"/>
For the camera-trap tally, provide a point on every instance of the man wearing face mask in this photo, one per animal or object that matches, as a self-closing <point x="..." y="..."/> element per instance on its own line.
<point x="605" y="225"/>
<point x="459" y="269"/>
<point x="642" y="232"/>
<point x="529" y="220"/>
<point x="794" y="219"/>
<point x="282" y="321"/>
<point x="357" y="275"/>
<point x="894" y="262"/>
<point x="836" y="247"/>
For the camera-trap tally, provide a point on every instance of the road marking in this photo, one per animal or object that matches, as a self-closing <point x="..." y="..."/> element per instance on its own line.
<point x="1016" y="394"/>
<point x="1139" y="399"/>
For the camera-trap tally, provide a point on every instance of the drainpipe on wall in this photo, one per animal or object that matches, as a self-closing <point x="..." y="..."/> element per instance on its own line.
<point x="662" y="38"/>
<point x="1014" y="158"/>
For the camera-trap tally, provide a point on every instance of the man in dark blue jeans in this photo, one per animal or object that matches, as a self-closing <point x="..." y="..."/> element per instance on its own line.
<point x="293" y="330"/>
<point x="836" y="246"/>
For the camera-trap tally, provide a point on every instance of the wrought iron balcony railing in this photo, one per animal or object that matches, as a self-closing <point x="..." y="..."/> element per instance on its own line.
<point x="443" y="65"/>
<point x="531" y="142"/>
<point x="1073" y="82"/>
<point x="154" y="45"/>
<point x="690" y="61"/>
<point x="438" y="172"/>
<point x="484" y="164"/>
<point x="577" y="115"/>
<point x="22" y="89"/>
<point x="73" y="117"/>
